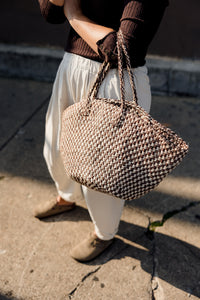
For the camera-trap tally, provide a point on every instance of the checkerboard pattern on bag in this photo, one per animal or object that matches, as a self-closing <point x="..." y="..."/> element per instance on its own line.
<point x="115" y="146"/>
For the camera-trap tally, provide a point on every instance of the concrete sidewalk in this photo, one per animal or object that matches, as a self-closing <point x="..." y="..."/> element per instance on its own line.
<point x="142" y="264"/>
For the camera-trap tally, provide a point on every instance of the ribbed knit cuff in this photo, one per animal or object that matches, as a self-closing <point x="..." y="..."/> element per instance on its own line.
<point x="107" y="47"/>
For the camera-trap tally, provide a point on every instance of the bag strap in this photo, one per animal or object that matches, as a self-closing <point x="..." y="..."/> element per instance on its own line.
<point x="105" y="67"/>
<point x="122" y="53"/>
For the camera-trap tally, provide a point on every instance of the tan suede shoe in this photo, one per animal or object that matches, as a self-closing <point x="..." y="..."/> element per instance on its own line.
<point x="51" y="208"/>
<point x="90" y="248"/>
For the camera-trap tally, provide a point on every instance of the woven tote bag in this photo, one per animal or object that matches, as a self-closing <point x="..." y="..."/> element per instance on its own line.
<point x="115" y="146"/>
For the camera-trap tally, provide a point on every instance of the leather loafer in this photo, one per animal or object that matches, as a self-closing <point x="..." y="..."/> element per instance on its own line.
<point x="51" y="208"/>
<point x="90" y="248"/>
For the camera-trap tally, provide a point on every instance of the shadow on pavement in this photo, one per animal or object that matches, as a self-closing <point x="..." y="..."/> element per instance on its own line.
<point x="181" y="267"/>
<point x="178" y="268"/>
<point x="22" y="157"/>
<point x="3" y="297"/>
<point x="79" y="214"/>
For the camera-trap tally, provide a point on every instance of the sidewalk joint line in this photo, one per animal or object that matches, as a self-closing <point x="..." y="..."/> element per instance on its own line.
<point x="154" y="284"/>
<point x="159" y="223"/>
<point x="24" y="123"/>
<point x="71" y="294"/>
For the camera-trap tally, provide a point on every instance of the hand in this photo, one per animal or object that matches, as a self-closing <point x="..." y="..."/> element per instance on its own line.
<point x="72" y="8"/>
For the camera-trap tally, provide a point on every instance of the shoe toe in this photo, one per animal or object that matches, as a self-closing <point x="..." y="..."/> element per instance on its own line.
<point x="89" y="249"/>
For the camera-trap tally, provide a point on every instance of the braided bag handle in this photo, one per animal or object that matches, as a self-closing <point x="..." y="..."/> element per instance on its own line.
<point x="123" y="53"/>
<point x="105" y="67"/>
<point x="95" y="87"/>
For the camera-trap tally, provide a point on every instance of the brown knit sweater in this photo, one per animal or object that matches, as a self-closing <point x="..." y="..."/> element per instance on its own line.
<point x="138" y="20"/>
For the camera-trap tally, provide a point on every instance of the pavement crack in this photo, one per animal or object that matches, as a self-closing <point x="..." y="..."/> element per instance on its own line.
<point x="154" y="284"/>
<point x="155" y="288"/>
<point x="71" y="294"/>
<point x="152" y="225"/>
<point x="151" y="236"/>
<point x="24" y="123"/>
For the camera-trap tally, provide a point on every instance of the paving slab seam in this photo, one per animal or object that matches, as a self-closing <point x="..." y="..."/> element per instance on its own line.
<point x="24" y="123"/>
<point x="71" y="294"/>
<point x="151" y="235"/>
<point x="154" y="282"/>
<point x="159" y="223"/>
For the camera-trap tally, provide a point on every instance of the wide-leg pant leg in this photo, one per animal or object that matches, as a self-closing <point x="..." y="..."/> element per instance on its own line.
<point x="60" y="99"/>
<point x="73" y="81"/>
<point x="105" y="212"/>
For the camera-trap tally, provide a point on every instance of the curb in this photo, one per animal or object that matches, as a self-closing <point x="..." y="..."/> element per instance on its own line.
<point x="171" y="76"/>
<point x="168" y="76"/>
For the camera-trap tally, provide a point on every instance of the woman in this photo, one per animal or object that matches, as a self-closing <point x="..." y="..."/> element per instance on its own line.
<point x="91" y="40"/>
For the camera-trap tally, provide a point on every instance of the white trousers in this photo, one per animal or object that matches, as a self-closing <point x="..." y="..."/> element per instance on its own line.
<point x="73" y="81"/>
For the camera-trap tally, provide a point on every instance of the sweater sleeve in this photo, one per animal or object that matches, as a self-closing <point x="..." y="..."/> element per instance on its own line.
<point x="52" y="13"/>
<point x="137" y="16"/>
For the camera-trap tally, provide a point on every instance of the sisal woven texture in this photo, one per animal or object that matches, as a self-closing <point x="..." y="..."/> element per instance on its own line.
<point x="115" y="147"/>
